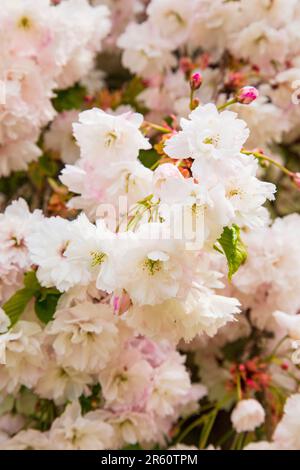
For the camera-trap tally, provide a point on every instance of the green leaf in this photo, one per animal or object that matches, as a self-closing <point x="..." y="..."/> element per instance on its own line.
<point x="45" y="306"/>
<point x="48" y="165"/>
<point x="71" y="98"/>
<point x="16" y="305"/>
<point x="88" y="402"/>
<point x="233" y="248"/>
<point x="45" y="291"/>
<point x="45" y="303"/>
<point x="31" y="282"/>
<point x="38" y="171"/>
<point x="148" y="157"/>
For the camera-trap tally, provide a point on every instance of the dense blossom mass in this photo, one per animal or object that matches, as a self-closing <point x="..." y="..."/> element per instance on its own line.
<point x="149" y="225"/>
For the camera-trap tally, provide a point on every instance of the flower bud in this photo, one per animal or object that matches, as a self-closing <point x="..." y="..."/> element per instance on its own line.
<point x="195" y="81"/>
<point x="296" y="179"/>
<point x="247" y="94"/>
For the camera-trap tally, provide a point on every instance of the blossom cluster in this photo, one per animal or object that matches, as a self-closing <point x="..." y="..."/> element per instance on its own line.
<point x="41" y="52"/>
<point x="231" y="44"/>
<point x="148" y="281"/>
<point x="85" y="345"/>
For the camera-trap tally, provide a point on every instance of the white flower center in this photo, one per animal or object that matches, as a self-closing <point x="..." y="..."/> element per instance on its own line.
<point x="174" y="15"/>
<point x="260" y="39"/>
<point x="154" y="262"/>
<point x="98" y="257"/>
<point x="18" y="242"/>
<point x="213" y="140"/>
<point x="110" y="138"/>
<point x="25" y="23"/>
<point x="234" y="192"/>
<point x="152" y="267"/>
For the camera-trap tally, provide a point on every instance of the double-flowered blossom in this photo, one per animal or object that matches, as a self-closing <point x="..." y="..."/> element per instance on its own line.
<point x="247" y="415"/>
<point x="83" y="336"/>
<point x="145" y="384"/>
<point x="268" y="281"/>
<point x="21" y="358"/>
<point x="113" y="141"/>
<point x="230" y="190"/>
<point x="257" y="43"/>
<point x="41" y="52"/>
<point x="15" y="227"/>
<point x="168" y="290"/>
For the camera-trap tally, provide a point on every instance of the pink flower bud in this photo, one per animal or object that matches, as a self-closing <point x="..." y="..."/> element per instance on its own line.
<point x="121" y="303"/>
<point x="196" y="81"/>
<point x="247" y="94"/>
<point x="296" y="179"/>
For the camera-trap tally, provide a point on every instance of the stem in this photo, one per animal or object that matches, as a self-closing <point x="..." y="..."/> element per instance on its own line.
<point x="137" y="218"/>
<point x="192" y="99"/>
<point x="238" y="442"/>
<point x="207" y="429"/>
<point x="261" y="156"/>
<point x="228" y="103"/>
<point x="238" y="388"/>
<point x="157" y="127"/>
<point x="274" y="351"/>
<point x="225" y="438"/>
<point x="143" y="206"/>
<point x="211" y="415"/>
<point x="249" y="437"/>
<point x="155" y="165"/>
<point x="193" y="425"/>
<point x="233" y="446"/>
